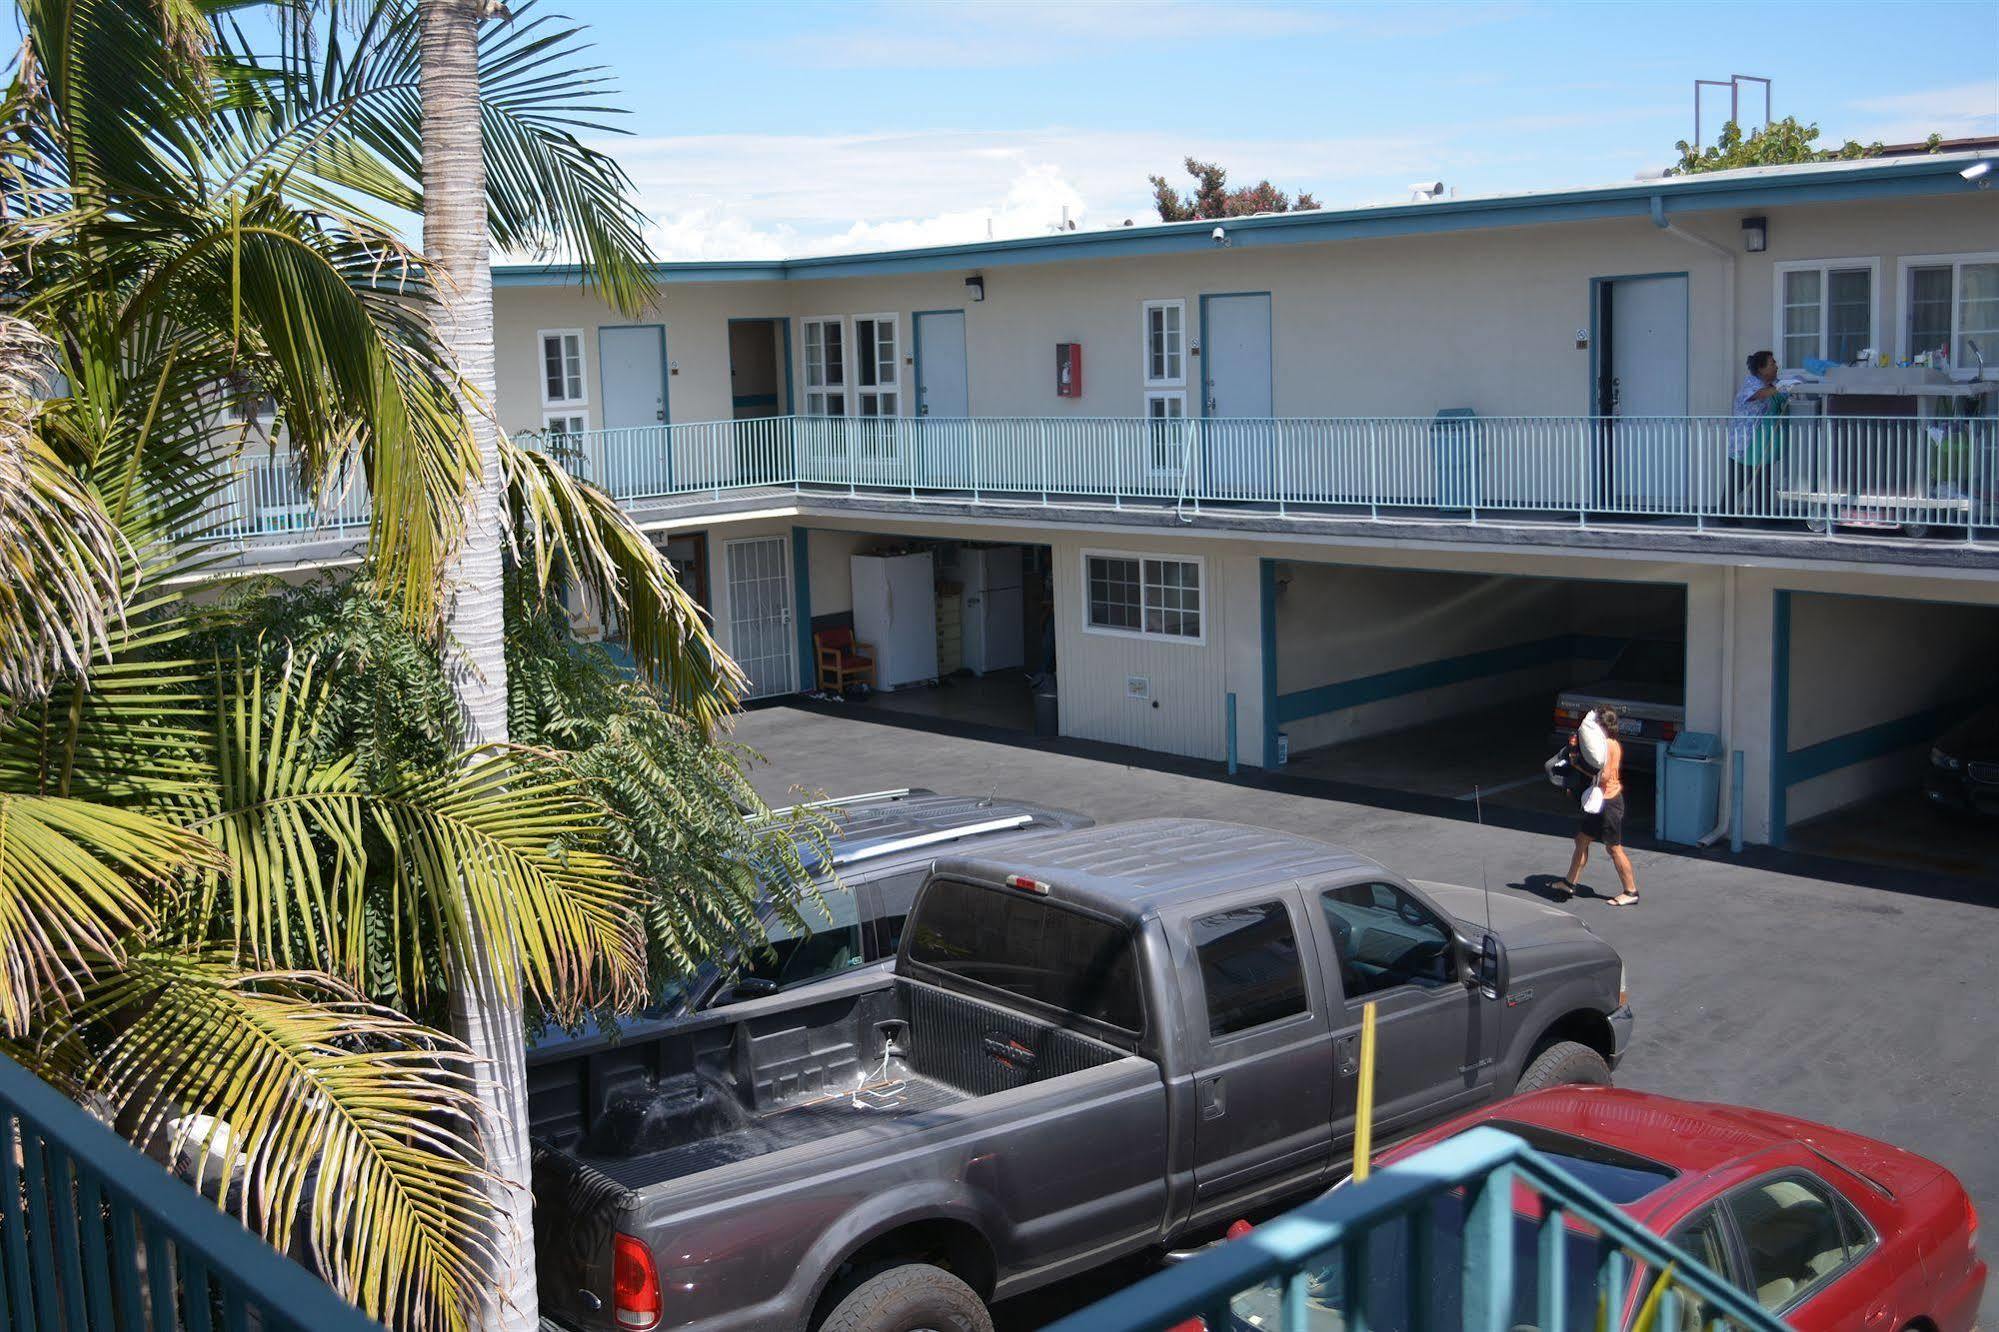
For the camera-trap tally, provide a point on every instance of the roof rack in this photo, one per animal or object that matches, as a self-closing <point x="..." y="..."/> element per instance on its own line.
<point x="931" y="838"/>
<point x="834" y="801"/>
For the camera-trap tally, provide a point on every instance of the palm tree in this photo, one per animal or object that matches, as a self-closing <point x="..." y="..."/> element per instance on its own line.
<point x="199" y="892"/>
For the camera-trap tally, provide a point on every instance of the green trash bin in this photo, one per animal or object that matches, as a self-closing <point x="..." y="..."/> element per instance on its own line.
<point x="1692" y="782"/>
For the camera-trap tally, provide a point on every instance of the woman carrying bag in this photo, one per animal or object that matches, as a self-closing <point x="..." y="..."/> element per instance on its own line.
<point x="1603" y="806"/>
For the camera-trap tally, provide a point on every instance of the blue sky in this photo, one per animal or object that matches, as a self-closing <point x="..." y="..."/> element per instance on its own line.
<point x="782" y="128"/>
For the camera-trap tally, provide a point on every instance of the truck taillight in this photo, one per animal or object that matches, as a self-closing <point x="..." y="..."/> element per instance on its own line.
<point x="1026" y="885"/>
<point x="634" y="1284"/>
<point x="1567" y="719"/>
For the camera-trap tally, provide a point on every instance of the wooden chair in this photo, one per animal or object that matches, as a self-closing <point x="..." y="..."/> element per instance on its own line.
<point x="843" y="660"/>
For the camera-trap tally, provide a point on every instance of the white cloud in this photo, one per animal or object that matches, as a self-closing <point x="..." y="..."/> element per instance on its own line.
<point x="740" y="196"/>
<point x="1959" y="112"/>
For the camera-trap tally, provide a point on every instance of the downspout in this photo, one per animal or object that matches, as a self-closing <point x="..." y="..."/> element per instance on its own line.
<point x="1720" y="829"/>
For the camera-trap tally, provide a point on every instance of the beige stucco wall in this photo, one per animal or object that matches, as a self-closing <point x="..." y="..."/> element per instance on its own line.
<point x="1400" y="326"/>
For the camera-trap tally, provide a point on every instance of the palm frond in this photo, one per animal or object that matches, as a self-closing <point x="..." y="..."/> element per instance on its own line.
<point x="72" y="884"/>
<point x="565" y="528"/>
<point x="349" y="1132"/>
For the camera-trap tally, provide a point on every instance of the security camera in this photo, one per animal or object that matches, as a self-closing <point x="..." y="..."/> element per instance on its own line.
<point x="1427" y="189"/>
<point x="1977" y="171"/>
<point x="1218" y="235"/>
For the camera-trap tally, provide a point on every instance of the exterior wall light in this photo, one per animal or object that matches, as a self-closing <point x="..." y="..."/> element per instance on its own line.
<point x="975" y="288"/>
<point x="1755" y="234"/>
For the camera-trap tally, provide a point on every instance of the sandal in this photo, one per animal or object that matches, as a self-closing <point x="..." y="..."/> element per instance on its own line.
<point x="1563" y="889"/>
<point x="1623" y="900"/>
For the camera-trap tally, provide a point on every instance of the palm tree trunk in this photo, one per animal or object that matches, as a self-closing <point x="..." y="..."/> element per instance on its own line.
<point x="485" y="1014"/>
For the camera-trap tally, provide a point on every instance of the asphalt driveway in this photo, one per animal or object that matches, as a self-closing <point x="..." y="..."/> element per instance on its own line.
<point x="1869" y="1001"/>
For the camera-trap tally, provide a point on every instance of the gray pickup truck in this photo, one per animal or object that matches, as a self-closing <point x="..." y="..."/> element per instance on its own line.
<point x="1092" y="1044"/>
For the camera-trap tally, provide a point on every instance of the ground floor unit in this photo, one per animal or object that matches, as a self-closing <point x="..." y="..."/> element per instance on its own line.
<point x="1446" y="669"/>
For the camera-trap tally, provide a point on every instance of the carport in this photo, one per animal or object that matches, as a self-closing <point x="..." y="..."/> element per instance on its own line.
<point x="1862" y="688"/>
<point x="1437" y="682"/>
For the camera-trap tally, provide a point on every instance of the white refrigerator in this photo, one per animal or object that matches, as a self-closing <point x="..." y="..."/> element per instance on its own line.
<point x="895" y="610"/>
<point x="993" y="607"/>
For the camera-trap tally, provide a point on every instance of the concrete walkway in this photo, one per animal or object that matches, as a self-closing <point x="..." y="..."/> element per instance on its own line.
<point x="1870" y="1003"/>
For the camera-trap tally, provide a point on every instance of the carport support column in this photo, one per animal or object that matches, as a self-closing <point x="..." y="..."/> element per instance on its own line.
<point x="1267" y="600"/>
<point x="801" y="600"/>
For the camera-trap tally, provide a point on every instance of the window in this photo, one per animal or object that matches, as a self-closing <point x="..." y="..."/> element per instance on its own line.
<point x="1703" y="1238"/>
<point x="1951" y="302"/>
<point x="563" y="432"/>
<point x="1166" y="415"/>
<point x="1385" y="938"/>
<point x="829" y="944"/>
<point x="1165" y="343"/>
<point x="1031" y="948"/>
<point x="1825" y="310"/>
<point x="1142" y="594"/>
<point x="875" y="366"/>
<point x="896" y="893"/>
<point x="825" y="367"/>
<point x="1792" y="1238"/>
<point x="562" y="368"/>
<point x="1249" y="967"/>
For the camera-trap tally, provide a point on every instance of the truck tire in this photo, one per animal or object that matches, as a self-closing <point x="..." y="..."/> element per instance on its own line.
<point x="1562" y="1064"/>
<point x="913" y="1298"/>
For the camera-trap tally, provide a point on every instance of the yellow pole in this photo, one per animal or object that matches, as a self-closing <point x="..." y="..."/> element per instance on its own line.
<point x="1363" y="1117"/>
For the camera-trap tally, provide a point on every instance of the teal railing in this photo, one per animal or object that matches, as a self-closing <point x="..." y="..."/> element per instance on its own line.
<point x="94" y="1235"/>
<point x="1476" y="1234"/>
<point x="1822" y="473"/>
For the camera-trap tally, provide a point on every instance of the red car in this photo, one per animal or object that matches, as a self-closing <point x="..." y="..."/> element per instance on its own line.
<point x="1832" y="1232"/>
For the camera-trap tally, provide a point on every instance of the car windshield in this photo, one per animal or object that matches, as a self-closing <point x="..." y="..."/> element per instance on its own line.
<point x="1651" y="661"/>
<point x="1623" y="1177"/>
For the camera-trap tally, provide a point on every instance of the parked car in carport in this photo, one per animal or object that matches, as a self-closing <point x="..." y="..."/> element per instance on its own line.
<point x="1647" y="684"/>
<point x="1828" y="1230"/>
<point x="1963" y="777"/>
<point x="879" y="848"/>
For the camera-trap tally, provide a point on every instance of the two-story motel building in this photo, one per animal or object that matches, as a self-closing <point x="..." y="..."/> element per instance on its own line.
<point x="1303" y="479"/>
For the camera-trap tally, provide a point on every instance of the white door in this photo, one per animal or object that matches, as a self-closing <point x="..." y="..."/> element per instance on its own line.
<point x="632" y="363"/>
<point x="1648" y="393"/>
<point x="761" y="637"/>
<point x="1235" y="369"/>
<point x="940" y="364"/>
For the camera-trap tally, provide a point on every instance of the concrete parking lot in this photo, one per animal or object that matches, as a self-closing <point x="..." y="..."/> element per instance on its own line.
<point x="1864" y="999"/>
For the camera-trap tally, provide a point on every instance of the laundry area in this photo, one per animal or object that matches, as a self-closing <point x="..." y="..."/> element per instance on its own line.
<point x="956" y="630"/>
<point x="1458" y="684"/>
<point x="1886" y="731"/>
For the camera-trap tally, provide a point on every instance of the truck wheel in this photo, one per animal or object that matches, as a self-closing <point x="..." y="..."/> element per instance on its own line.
<point x="1562" y="1064"/>
<point x="913" y="1298"/>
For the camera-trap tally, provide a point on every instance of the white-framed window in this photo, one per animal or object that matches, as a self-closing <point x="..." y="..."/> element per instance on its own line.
<point x="563" y="381"/>
<point x="565" y="423"/>
<point x="825" y="366"/>
<point x="1143" y="596"/>
<point x="1166" y="429"/>
<point x="1825" y="309"/>
<point x="876" y="383"/>
<point x="1951" y="301"/>
<point x="1163" y="343"/>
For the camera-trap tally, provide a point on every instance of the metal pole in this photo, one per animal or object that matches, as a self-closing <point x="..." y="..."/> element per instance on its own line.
<point x="1232" y="735"/>
<point x="1363" y="1119"/>
<point x="1659" y="790"/>
<point x="1735" y="802"/>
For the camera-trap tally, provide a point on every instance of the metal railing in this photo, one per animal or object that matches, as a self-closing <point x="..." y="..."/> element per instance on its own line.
<point x="1825" y="474"/>
<point x="1476" y="1234"/>
<point x="95" y="1235"/>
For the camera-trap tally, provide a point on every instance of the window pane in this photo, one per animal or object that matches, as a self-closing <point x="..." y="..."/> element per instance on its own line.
<point x="1978" y="314"/>
<point x="1791" y="1237"/>
<point x="572" y="347"/>
<point x="1849" y="314"/>
<point x="1929" y="309"/>
<point x="1385" y="938"/>
<point x="836" y="366"/>
<point x="1173" y="598"/>
<point x="1114" y="596"/>
<point x="551" y="357"/>
<point x="830" y="943"/>
<point x="1029" y="947"/>
<point x="864" y="352"/>
<point x="1249" y="967"/>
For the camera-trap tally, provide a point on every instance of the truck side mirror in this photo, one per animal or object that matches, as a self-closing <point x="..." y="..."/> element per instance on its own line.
<point x="755" y="987"/>
<point x="1493" y="972"/>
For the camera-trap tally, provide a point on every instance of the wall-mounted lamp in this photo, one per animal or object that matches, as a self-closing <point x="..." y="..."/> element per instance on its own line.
<point x="1755" y="234"/>
<point x="1219" y="236"/>
<point x="1977" y="173"/>
<point x="975" y="288"/>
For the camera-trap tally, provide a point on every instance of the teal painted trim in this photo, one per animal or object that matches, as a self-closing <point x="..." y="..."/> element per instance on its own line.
<point x="1269" y="336"/>
<point x="1824" y="183"/>
<point x="1267" y="589"/>
<point x="1437" y="674"/>
<point x="1780" y="716"/>
<point x="801" y="601"/>
<point x="665" y="374"/>
<point x="1870" y="742"/>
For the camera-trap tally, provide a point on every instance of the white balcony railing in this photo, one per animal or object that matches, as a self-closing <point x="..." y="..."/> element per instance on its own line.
<point x="1824" y="473"/>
